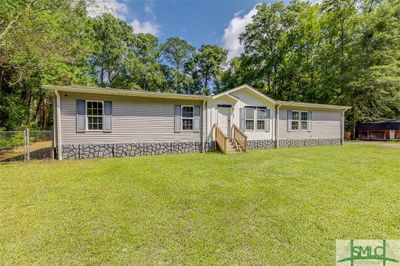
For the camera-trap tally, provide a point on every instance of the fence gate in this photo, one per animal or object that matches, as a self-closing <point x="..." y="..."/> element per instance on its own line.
<point x="26" y="145"/>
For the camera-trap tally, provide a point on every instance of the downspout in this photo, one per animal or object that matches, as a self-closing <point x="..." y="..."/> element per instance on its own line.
<point x="342" y="128"/>
<point x="206" y="120"/>
<point x="202" y="126"/>
<point x="54" y="142"/>
<point x="59" y="146"/>
<point x="277" y="126"/>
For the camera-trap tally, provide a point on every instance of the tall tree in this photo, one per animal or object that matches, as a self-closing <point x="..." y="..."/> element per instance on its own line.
<point x="263" y="41"/>
<point x="338" y="22"/>
<point x="113" y="36"/>
<point x="177" y="53"/>
<point x="340" y="52"/>
<point x="142" y="68"/>
<point x="209" y="61"/>
<point x="42" y="41"/>
<point x="240" y="70"/>
<point x="374" y="88"/>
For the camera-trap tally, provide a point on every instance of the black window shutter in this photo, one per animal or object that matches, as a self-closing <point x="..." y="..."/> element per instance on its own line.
<point x="289" y="120"/>
<point x="80" y="116"/>
<point x="107" y="124"/>
<point x="242" y="119"/>
<point x="196" y="118"/>
<point x="268" y="120"/>
<point x="309" y="121"/>
<point x="178" y="116"/>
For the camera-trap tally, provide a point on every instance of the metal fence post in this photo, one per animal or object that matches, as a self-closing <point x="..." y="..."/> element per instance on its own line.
<point x="25" y="150"/>
<point x="27" y="144"/>
<point x="52" y="143"/>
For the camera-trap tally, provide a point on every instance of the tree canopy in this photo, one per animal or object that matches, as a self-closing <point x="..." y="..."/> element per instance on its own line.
<point x="338" y="52"/>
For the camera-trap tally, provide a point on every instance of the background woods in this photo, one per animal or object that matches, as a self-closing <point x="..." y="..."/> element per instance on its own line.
<point x="340" y="52"/>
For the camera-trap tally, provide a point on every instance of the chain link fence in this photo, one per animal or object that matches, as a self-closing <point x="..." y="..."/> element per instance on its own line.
<point x="26" y="145"/>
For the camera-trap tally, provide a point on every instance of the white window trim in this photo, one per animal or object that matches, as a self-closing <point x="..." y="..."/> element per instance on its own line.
<point x="255" y="119"/>
<point x="87" y="116"/>
<point x="265" y="120"/>
<point x="187" y="130"/>
<point x="245" y="118"/>
<point x="299" y="120"/>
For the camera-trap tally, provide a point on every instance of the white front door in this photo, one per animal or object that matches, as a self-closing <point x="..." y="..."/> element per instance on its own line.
<point x="224" y="120"/>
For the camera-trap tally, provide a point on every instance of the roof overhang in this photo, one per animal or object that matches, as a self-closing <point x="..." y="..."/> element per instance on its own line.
<point x="121" y="92"/>
<point x="281" y="103"/>
<point x="163" y="95"/>
<point x="380" y="125"/>
<point x="244" y="87"/>
<point x="312" y="105"/>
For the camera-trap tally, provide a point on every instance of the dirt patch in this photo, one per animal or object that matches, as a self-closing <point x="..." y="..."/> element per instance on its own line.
<point x="377" y="143"/>
<point x="38" y="151"/>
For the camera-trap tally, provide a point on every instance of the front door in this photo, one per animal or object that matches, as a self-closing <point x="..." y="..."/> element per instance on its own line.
<point x="224" y="120"/>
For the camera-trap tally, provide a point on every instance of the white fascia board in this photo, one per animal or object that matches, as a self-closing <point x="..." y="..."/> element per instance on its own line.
<point x="312" y="105"/>
<point x="121" y="92"/>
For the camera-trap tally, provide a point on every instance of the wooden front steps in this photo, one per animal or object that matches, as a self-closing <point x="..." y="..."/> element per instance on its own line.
<point x="233" y="147"/>
<point x="236" y="145"/>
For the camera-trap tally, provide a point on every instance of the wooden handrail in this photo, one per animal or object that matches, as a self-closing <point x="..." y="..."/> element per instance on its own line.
<point x="220" y="138"/>
<point x="239" y="137"/>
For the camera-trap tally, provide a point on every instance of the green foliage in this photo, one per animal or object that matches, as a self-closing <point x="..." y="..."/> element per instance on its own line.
<point x="11" y="140"/>
<point x="177" y="54"/>
<point x="44" y="41"/>
<point x="112" y="37"/>
<point x="340" y="52"/>
<point x="143" y="68"/>
<point x="209" y="61"/>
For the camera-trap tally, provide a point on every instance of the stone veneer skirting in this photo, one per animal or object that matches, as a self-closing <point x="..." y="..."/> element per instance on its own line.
<point x="292" y="143"/>
<point x="260" y="144"/>
<point x="297" y="143"/>
<point x="83" y="151"/>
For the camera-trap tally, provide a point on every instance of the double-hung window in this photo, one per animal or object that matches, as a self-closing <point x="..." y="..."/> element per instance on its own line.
<point x="256" y="118"/>
<point x="299" y="120"/>
<point x="261" y="116"/>
<point x="304" y="120"/>
<point x="94" y="111"/>
<point x="249" y="114"/>
<point x="187" y="117"/>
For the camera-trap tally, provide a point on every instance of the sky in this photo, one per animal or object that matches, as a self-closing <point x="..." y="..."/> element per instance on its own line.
<point x="199" y="22"/>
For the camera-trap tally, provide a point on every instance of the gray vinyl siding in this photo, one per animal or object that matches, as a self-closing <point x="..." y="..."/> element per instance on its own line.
<point x="325" y="124"/>
<point x="134" y="119"/>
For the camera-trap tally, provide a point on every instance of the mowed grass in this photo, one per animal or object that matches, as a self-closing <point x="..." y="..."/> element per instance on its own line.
<point x="274" y="207"/>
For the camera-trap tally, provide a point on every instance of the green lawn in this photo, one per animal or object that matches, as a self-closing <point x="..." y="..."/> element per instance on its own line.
<point x="277" y="207"/>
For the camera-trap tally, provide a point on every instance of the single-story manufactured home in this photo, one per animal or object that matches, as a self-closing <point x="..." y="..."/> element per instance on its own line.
<point x="105" y="122"/>
<point x="379" y="130"/>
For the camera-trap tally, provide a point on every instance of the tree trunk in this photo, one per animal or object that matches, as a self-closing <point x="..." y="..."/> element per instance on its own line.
<point x="341" y="55"/>
<point x="38" y="109"/>
<point x="206" y="84"/>
<point x="28" y="118"/>
<point x="44" y="113"/>
<point x="102" y="76"/>
<point x="269" y="85"/>
<point x="1" y="77"/>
